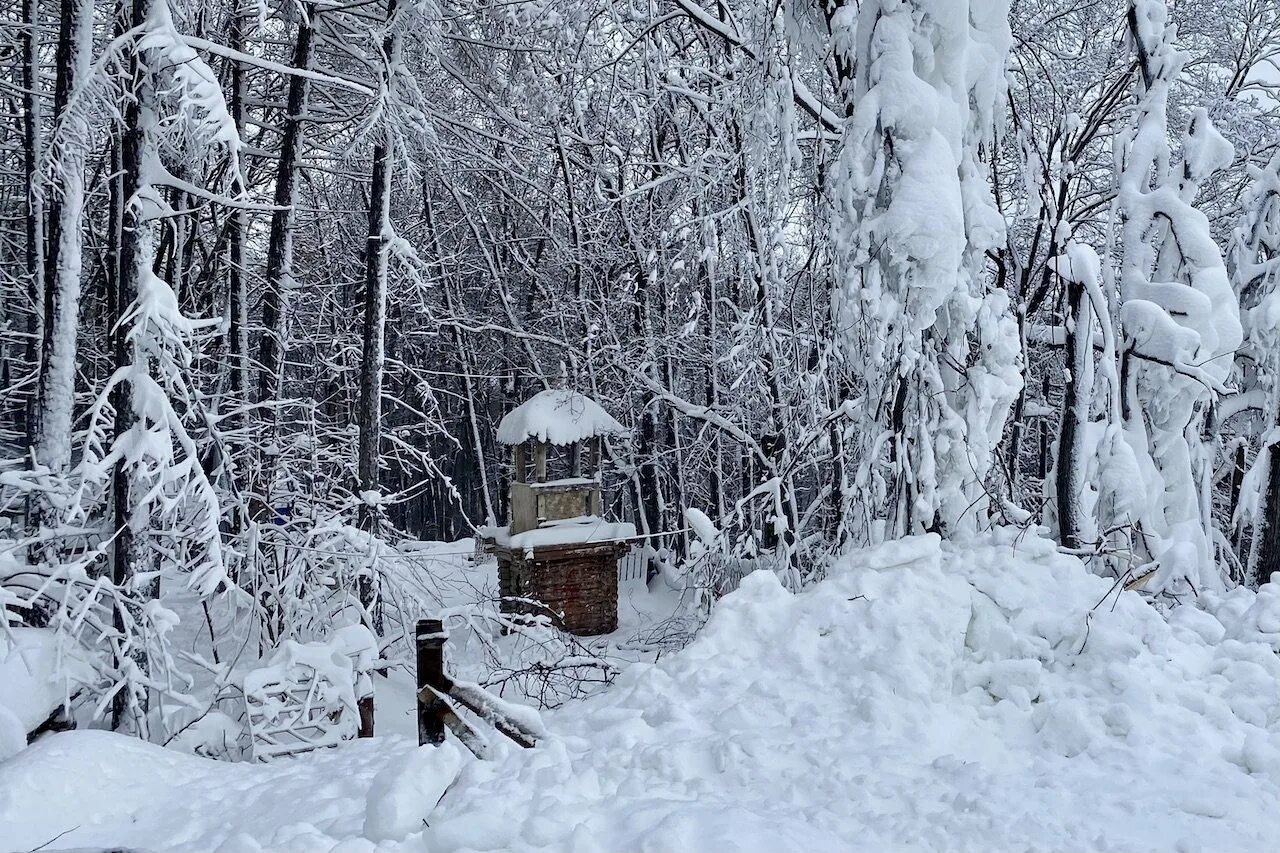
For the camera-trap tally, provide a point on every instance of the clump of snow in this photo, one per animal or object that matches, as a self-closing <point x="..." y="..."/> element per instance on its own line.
<point x="13" y="735"/>
<point x="704" y="529"/>
<point x="403" y="794"/>
<point x="557" y="416"/>
<point x="107" y="790"/>
<point x="212" y="735"/>
<point x="28" y="686"/>
<point x="361" y="647"/>
<point x="1260" y="621"/>
<point x="36" y="678"/>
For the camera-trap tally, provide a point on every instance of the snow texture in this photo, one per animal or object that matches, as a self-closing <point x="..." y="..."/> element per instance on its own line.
<point x="36" y="677"/>
<point x="29" y="689"/>
<point x="926" y="696"/>
<point x="557" y="417"/>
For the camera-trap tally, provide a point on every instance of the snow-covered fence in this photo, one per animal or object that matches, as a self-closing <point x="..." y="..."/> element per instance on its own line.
<point x="720" y="574"/>
<point x="440" y="699"/>
<point x="632" y="565"/>
<point x="714" y="572"/>
<point x="312" y="695"/>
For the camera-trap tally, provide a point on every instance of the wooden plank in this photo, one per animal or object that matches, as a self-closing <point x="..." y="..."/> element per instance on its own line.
<point x="461" y="729"/>
<point x="540" y="461"/>
<point x="474" y="702"/>
<point x="473" y="699"/>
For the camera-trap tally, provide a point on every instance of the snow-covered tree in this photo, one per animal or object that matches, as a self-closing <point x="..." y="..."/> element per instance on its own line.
<point x="1255" y="265"/>
<point x="930" y="345"/>
<point x="1178" y="314"/>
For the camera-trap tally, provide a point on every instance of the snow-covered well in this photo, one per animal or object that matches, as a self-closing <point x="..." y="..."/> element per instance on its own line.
<point x="557" y="555"/>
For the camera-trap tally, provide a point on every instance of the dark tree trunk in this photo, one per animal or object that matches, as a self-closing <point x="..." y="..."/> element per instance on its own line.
<point x="369" y="417"/>
<point x="1268" y="533"/>
<point x="271" y="346"/>
<point x="237" y="307"/>
<point x="274" y="303"/>
<point x="127" y="251"/>
<point x="1075" y="411"/>
<point x="35" y="245"/>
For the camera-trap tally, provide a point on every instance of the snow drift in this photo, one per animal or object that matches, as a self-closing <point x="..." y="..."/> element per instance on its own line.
<point x="926" y="696"/>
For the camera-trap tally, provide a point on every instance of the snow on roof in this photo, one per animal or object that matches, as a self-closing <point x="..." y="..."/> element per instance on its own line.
<point x="557" y="416"/>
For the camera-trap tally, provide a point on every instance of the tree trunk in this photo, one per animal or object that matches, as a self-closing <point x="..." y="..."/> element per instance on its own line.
<point x="1267" y="550"/>
<point x="1069" y="473"/>
<point x="126" y="269"/>
<point x="55" y="394"/>
<point x="237" y="302"/>
<point x="369" y="417"/>
<point x="31" y="128"/>
<point x="279" y="250"/>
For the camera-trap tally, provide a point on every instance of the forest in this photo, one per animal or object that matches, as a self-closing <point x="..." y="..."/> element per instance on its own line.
<point x="846" y="272"/>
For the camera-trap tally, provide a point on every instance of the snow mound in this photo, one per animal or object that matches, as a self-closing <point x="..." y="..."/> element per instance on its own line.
<point x="104" y="790"/>
<point x="986" y="697"/>
<point x="557" y="416"/>
<point x="36" y="677"/>
<point x="990" y="697"/>
<point x="406" y="791"/>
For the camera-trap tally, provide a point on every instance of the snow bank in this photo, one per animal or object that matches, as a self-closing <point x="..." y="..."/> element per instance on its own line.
<point x="927" y="696"/>
<point x="558" y="417"/>
<point x="106" y="790"/>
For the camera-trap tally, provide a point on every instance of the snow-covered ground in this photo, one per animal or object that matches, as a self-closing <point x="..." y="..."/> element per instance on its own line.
<point x="994" y="697"/>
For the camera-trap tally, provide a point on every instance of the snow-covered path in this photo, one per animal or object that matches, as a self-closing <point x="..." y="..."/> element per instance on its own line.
<point x="930" y="699"/>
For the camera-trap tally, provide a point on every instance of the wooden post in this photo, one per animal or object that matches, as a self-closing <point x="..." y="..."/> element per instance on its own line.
<point x="519" y="463"/>
<point x="597" y="444"/>
<point x="429" y="639"/>
<point x="540" y="462"/>
<point x="366" y="715"/>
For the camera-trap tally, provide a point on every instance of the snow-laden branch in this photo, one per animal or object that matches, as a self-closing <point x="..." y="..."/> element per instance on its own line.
<point x="804" y="97"/>
<point x="268" y="65"/>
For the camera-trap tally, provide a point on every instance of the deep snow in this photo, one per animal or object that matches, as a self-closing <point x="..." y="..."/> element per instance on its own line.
<point x="994" y="697"/>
